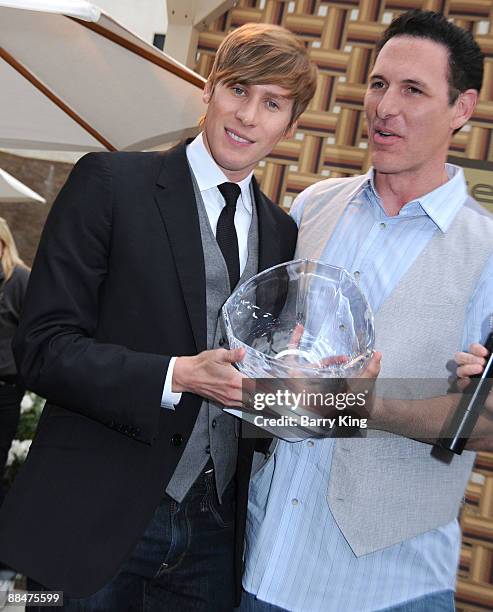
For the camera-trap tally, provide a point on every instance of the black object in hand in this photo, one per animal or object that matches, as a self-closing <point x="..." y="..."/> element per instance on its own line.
<point x="460" y="427"/>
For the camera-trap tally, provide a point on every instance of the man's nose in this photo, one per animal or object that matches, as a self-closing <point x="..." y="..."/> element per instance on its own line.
<point x="388" y="105"/>
<point x="247" y="112"/>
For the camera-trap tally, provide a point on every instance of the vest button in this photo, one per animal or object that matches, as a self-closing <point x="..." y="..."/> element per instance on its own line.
<point x="214" y="423"/>
<point x="208" y="449"/>
<point x="222" y="341"/>
<point x="176" y="439"/>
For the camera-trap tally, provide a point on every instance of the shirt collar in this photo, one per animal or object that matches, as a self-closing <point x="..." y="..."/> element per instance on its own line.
<point x="369" y="183"/>
<point x="444" y="202"/>
<point x="209" y="175"/>
<point x="441" y="204"/>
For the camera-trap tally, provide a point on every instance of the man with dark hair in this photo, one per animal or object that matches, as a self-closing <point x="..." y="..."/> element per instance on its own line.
<point x="465" y="58"/>
<point x="127" y="499"/>
<point x="361" y="524"/>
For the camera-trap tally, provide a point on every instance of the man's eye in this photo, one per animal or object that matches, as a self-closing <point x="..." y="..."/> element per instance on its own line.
<point x="413" y="90"/>
<point x="272" y="105"/>
<point x="238" y="91"/>
<point x="377" y="85"/>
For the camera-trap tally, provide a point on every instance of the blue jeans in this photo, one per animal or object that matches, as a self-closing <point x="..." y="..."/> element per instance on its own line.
<point x="183" y="563"/>
<point x="442" y="601"/>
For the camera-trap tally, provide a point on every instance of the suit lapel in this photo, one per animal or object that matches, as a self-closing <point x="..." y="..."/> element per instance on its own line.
<point x="175" y="198"/>
<point x="268" y="239"/>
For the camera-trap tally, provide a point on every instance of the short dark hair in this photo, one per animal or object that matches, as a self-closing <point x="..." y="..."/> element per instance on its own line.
<point x="465" y="58"/>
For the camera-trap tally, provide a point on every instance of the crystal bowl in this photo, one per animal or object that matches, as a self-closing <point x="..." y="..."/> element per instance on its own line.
<point x="303" y="318"/>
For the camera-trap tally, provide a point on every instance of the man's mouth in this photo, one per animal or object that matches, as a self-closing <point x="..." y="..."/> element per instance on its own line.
<point x="237" y="138"/>
<point x="383" y="136"/>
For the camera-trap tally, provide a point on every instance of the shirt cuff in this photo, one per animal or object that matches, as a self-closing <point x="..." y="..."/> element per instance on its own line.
<point x="169" y="398"/>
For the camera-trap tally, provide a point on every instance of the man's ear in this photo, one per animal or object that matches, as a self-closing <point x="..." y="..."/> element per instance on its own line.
<point x="207" y="93"/>
<point x="290" y="130"/>
<point x="464" y="108"/>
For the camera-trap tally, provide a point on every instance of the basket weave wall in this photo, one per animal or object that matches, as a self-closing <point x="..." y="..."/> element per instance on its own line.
<point x="331" y="140"/>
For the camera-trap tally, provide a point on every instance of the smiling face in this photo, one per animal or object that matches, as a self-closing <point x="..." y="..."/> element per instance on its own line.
<point x="410" y="120"/>
<point x="243" y="124"/>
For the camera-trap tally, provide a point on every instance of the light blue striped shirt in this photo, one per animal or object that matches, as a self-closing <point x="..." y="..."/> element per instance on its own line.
<point x="296" y="555"/>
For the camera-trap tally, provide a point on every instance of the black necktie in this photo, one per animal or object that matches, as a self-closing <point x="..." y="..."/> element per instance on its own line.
<point x="226" y="233"/>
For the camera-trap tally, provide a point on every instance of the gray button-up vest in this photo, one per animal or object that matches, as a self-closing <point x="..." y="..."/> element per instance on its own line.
<point x="214" y="434"/>
<point x="388" y="489"/>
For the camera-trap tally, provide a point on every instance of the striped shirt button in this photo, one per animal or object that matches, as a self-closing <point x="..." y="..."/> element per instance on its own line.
<point x="295" y="502"/>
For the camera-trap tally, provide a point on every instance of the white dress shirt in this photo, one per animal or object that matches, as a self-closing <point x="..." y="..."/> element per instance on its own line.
<point x="208" y="176"/>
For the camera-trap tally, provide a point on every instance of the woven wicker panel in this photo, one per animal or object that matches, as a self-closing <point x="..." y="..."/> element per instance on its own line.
<point x="331" y="140"/>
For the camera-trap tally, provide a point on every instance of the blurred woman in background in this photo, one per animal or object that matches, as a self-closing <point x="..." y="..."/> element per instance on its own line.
<point x="14" y="275"/>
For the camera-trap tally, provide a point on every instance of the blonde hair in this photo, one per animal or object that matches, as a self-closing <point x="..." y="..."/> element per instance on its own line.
<point x="263" y="54"/>
<point x="10" y="257"/>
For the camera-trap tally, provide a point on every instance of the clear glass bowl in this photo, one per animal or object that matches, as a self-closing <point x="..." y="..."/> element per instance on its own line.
<point x="303" y="319"/>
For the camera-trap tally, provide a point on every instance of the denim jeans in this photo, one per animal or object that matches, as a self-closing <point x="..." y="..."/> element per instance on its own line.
<point x="183" y="563"/>
<point x="441" y="601"/>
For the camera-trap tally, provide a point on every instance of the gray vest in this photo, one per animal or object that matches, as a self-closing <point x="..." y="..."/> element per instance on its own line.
<point x="385" y="490"/>
<point x="214" y="434"/>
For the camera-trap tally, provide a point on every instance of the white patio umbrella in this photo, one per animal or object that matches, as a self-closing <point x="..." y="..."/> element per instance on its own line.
<point x="12" y="190"/>
<point x="72" y="78"/>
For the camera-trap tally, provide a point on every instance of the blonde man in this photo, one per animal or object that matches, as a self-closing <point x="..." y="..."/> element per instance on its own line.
<point x="127" y="500"/>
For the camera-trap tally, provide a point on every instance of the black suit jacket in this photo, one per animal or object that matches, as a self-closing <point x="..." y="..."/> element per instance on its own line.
<point x="117" y="287"/>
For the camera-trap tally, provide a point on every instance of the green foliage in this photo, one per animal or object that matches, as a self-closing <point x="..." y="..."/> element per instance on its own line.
<point x="30" y="417"/>
<point x="31" y="408"/>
